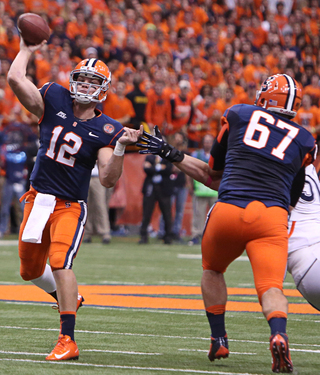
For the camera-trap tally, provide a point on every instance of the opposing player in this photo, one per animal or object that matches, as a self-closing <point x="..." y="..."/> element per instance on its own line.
<point x="257" y="162"/>
<point x="73" y="135"/>
<point x="304" y="240"/>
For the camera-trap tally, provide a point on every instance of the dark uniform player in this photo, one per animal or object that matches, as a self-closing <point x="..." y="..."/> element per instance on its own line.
<point x="69" y="146"/>
<point x="73" y="135"/>
<point x="260" y="155"/>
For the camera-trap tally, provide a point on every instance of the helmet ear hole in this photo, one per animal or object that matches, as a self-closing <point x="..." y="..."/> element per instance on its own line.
<point x="263" y="102"/>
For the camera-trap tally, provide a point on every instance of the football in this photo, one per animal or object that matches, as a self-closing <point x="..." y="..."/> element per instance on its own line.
<point x="33" y="28"/>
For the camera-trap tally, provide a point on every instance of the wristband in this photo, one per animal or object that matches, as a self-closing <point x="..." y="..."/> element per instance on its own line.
<point x="119" y="149"/>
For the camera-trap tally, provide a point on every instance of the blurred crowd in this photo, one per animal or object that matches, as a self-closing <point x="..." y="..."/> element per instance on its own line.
<point x="175" y="64"/>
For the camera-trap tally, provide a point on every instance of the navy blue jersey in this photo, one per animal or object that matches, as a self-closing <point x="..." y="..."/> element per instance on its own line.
<point x="68" y="146"/>
<point x="261" y="154"/>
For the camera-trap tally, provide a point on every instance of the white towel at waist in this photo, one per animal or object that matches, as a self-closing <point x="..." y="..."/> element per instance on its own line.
<point x="43" y="207"/>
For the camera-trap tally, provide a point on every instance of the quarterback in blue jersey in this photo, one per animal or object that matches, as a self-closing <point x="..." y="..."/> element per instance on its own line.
<point x="73" y="136"/>
<point x="257" y="164"/>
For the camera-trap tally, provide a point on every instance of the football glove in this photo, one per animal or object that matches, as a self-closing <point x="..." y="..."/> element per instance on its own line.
<point x="154" y="144"/>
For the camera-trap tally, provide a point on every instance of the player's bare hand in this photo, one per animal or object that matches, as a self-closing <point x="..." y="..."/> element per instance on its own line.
<point x="31" y="48"/>
<point x="129" y="136"/>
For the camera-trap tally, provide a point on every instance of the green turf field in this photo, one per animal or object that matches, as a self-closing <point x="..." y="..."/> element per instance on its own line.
<point x="145" y="341"/>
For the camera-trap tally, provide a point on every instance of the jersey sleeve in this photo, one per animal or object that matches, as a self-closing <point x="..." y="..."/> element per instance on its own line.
<point x="311" y="156"/>
<point x="112" y="131"/>
<point x="297" y="186"/>
<point x="118" y="134"/>
<point x="219" y="147"/>
<point x="43" y="90"/>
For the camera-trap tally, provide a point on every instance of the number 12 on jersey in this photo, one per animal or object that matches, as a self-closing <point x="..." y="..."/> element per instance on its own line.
<point x="64" y="148"/>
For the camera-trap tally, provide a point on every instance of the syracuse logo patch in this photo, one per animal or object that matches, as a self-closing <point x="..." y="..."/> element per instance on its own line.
<point x="108" y="128"/>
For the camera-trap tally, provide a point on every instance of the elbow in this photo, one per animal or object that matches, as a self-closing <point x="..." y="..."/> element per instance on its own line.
<point x="14" y="80"/>
<point x="11" y="79"/>
<point x="108" y="184"/>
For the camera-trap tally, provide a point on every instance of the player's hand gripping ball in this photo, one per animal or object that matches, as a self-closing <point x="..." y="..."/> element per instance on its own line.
<point x="33" y="28"/>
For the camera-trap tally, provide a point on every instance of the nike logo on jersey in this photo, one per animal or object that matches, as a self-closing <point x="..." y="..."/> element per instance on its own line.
<point x="62" y="115"/>
<point x="93" y="135"/>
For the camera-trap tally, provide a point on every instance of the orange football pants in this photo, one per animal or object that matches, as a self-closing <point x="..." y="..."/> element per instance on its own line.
<point x="260" y="230"/>
<point x="61" y="238"/>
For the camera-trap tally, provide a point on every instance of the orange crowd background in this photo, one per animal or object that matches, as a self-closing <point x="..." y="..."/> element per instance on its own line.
<point x="224" y="49"/>
<point x="192" y="59"/>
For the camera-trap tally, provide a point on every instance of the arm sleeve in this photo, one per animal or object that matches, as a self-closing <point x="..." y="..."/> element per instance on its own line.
<point x="43" y="90"/>
<point x="219" y="147"/>
<point x="297" y="186"/>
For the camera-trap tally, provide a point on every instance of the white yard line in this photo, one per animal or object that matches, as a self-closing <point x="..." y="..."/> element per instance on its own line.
<point x="83" y="350"/>
<point x="118" y="352"/>
<point x="242" y="258"/>
<point x="152" y="335"/>
<point x="9" y="242"/>
<point x="128" y="367"/>
<point x="206" y="351"/>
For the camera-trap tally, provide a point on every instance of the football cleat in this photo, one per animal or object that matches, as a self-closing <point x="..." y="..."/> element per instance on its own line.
<point x="80" y="301"/>
<point x="281" y="359"/>
<point x="66" y="349"/>
<point x="218" y="348"/>
<point x="280" y="94"/>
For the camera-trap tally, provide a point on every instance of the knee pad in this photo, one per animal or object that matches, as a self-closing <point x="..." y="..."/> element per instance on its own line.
<point x="30" y="274"/>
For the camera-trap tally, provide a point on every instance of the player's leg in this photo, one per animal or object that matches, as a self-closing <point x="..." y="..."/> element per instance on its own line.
<point x="147" y="210"/>
<point x="100" y="207"/>
<point x="7" y="196"/>
<point x="304" y="267"/>
<point x="180" y="199"/>
<point x="165" y="208"/>
<point x="33" y="256"/>
<point x="46" y="282"/>
<point x="67" y="227"/>
<point x="267" y="252"/>
<point x="200" y="209"/>
<point x="221" y="244"/>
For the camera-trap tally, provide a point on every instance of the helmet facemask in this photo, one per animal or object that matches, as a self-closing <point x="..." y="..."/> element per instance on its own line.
<point x="92" y="72"/>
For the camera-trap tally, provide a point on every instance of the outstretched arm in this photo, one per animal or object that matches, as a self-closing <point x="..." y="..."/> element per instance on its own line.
<point x="200" y="171"/>
<point x="193" y="167"/>
<point x="27" y="93"/>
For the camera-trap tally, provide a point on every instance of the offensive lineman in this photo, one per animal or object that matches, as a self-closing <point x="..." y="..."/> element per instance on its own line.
<point x="257" y="162"/>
